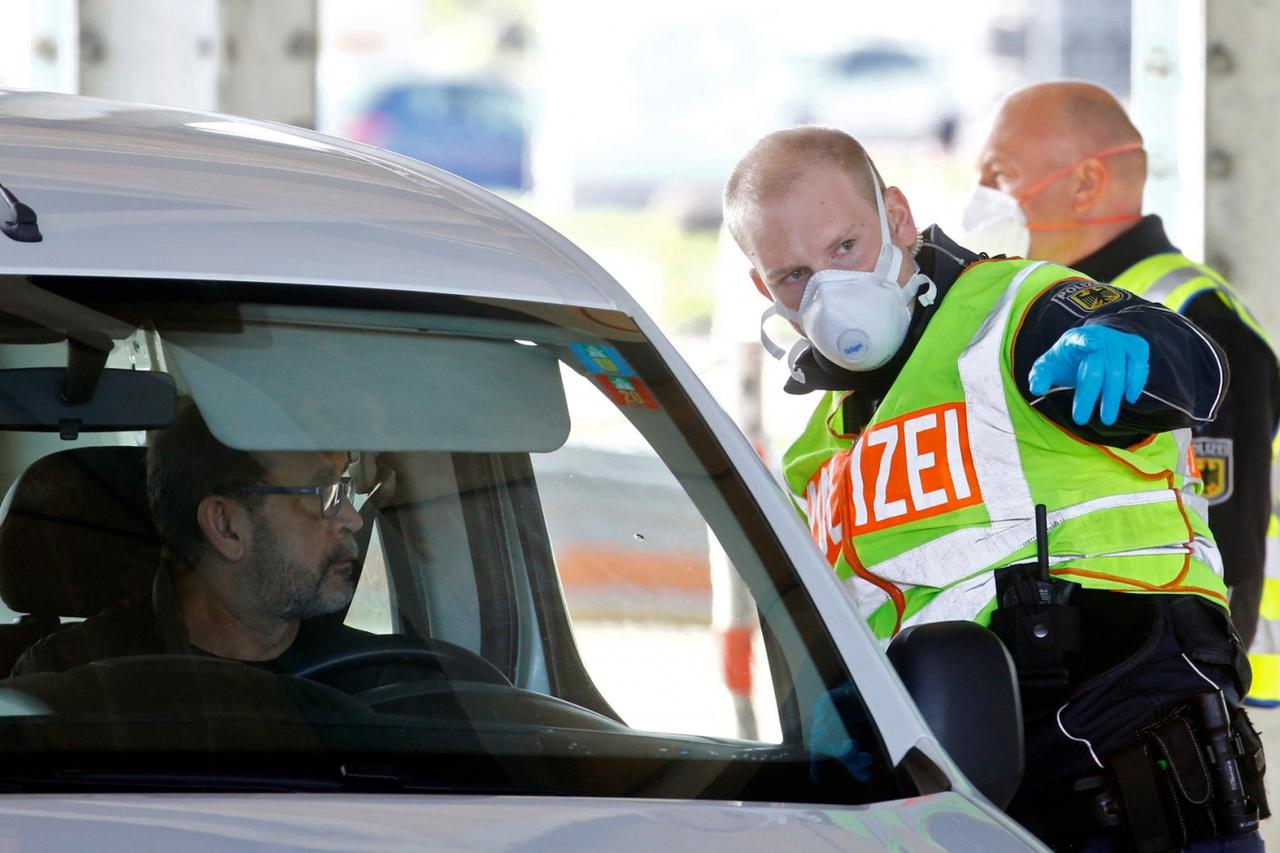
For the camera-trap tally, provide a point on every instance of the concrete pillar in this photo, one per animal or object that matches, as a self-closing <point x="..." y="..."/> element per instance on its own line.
<point x="268" y="68"/>
<point x="1242" y="121"/>
<point x="153" y="51"/>
<point x="38" y="43"/>
<point x="253" y="59"/>
<point x="1167" y="85"/>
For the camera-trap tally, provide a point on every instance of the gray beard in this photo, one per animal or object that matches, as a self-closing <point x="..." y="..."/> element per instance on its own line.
<point x="286" y="589"/>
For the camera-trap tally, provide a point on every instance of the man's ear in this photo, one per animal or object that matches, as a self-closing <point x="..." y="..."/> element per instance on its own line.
<point x="1091" y="181"/>
<point x="223" y="522"/>
<point x="759" y="283"/>
<point x="902" y="225"/>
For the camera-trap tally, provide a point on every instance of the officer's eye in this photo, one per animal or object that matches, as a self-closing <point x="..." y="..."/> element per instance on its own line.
<point x="794" y="275"/>
<point x="845" y="247"/>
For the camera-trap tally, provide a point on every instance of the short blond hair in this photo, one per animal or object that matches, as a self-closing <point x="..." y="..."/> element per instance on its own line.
<point x="776" y="161"/>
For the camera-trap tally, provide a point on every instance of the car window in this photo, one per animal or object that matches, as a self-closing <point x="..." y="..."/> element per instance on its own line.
<point x="635" y="558"/>
<point x="371" y="606"/>
<point x="545" y="574"/>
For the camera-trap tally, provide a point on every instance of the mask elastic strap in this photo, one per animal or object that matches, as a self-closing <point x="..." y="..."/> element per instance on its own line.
<point x="793" y="355"/>
<point x="778" y="352"/>
<point x="774" y="310"/>
<point x="1073" y="224"/>
<point x="930" y="294"/>
<point x="889" y="263"/>
<point x="1097" y="155"/>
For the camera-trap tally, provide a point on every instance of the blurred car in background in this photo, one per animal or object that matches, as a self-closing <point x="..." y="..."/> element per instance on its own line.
<point x="475" y="129"/>
<point x="878" y="90"/>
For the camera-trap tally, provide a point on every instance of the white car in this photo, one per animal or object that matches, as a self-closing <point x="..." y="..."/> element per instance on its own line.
<point x="544" y="485"/>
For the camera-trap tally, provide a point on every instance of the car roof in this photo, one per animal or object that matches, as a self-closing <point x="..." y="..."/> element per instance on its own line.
<point x="159" y="192"/>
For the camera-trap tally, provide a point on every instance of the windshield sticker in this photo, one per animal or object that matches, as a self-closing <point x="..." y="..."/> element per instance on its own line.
<point x="627" y="392"/>
<point x="602" y="358"/>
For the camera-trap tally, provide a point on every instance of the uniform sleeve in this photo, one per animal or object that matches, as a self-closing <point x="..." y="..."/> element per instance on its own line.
<point x="1235" y="450"/>
<point x="1189" y="374"/>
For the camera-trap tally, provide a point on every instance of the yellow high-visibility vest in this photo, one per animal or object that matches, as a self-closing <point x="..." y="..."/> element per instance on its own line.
<point x="1174" y="281"/>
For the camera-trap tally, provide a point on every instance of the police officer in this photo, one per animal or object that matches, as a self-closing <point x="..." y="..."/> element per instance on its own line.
<point x="1062" y="177"/>
<point x="960" y="393"/>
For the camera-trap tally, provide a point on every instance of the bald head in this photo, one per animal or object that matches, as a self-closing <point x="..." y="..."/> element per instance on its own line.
<point x="1071" y="118"/>
<point x="777" y="161"/>
<point x="1069" y="153"/>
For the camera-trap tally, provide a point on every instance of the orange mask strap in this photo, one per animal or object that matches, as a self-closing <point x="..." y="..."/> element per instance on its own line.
<point x="1076" y="223"/>
<point x="1099" y="155"/>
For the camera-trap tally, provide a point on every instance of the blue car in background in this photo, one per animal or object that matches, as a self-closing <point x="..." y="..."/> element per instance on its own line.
<point x="477" y="130"/>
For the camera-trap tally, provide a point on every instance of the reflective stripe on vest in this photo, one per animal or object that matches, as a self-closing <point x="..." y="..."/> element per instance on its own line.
<point x="1264" y="651"/>
<point x="1163" y="286"/>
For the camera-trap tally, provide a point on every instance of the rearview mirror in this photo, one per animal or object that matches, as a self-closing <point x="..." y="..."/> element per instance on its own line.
<point x="33" y="399"/>
<point x="963" y="681"/>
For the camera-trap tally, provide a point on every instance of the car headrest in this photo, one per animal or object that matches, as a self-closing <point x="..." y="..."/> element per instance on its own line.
<point x="75" y="532"/>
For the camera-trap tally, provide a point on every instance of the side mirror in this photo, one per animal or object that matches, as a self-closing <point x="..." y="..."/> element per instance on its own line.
<point x="962" y="679"/>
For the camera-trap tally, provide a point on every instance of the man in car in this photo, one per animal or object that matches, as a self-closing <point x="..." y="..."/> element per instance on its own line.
<point x="1003" y="441"/>
<point x="1062" y="176"/>
<point x="255" y="546"/>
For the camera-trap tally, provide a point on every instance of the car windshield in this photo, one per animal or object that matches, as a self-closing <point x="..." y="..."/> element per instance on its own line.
<point x="278" y="537"/>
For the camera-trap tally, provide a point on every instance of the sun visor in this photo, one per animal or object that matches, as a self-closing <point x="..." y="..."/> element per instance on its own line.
<point x="298" y="387"/>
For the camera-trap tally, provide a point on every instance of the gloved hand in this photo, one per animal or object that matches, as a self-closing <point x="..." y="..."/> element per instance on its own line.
<point x="831" y="738"/>
<point x="1095" y="360"/>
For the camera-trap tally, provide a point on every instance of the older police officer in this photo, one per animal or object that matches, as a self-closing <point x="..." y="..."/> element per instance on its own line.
<point x="1061" y="179"/>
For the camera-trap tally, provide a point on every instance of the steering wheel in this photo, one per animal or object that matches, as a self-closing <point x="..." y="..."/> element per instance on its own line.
<point x="436" y="659"/>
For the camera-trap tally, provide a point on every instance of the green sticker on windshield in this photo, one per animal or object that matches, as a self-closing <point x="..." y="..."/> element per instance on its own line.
<point x="602" y="358"/>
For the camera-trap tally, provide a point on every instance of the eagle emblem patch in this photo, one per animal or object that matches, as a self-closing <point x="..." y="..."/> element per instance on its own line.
<point x="1215" y="458"/>
<point x="1094" y="296"/>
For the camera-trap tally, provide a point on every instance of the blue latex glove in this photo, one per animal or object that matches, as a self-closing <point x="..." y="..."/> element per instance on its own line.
<point x="831" y="739"/>
<point x="1098" y="362"/>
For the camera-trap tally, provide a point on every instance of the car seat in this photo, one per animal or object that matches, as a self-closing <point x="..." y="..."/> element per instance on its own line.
<point x="76" y="536"/>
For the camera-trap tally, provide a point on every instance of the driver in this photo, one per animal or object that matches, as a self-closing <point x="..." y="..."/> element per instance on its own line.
<point x="256" y="545"/>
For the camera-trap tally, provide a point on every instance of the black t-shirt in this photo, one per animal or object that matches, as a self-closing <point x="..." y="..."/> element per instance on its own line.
<point x="150" y="624"/>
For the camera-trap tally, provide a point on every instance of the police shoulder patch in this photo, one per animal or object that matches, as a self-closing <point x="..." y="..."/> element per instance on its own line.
<point x="1215" y="459"/>
<point x="1083" y="297"/>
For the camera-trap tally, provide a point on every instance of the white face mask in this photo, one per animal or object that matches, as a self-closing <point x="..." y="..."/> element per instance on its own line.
<point x="995" y="223"/>
<point x="857" y="319"/>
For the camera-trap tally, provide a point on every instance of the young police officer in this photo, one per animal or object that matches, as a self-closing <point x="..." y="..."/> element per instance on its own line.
<point x="959" y="395"/>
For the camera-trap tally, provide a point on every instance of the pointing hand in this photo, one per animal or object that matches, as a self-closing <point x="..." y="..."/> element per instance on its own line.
<point x="1099" y="362"/>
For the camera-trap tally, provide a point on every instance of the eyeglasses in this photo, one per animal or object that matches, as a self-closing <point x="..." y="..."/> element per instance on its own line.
<point x="331" y="494"/>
